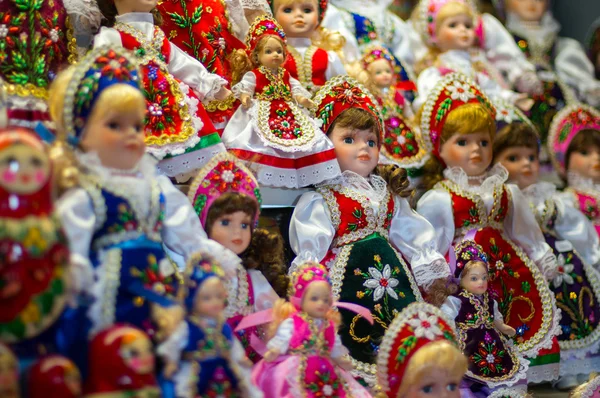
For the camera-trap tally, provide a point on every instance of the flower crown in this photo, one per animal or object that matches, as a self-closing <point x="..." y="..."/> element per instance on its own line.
<point x="201" y="268"/>
<point x="466" y="252"/>
<point x="302" y="277"/>
<point x="263" y="25"/>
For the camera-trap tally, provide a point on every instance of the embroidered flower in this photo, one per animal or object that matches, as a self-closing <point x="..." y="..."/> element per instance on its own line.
<point x="346" y="92"/>
<point x="507" y="115"/>
<point x="425" y="326"/>
<point x="54" y="36"/>
<point x="382" y="282"/>
<point x="401" y="139"/>
<point x="327" y="390"/>
<point x="460" y="91"/>
<point x="564" y="272"/>
<point x="3" y="31"/>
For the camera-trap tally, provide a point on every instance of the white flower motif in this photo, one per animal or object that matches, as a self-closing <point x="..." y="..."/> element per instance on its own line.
<point x="222" y="43"/>
<point x="3" y="31"/>
<point x="499" y="265"/>
<point x="54" y="35"/>
<point x="227" y="176"/>
<point x="564" y="271"/>
<point x="382" y="283"/>
<point x="460" y="91"/>
<point x="401" y="139"/>
<point x="490" y="358"/>
<point x="327" y="390"/>
<point x="425" y="325"/>
<point x="507" y="115"/>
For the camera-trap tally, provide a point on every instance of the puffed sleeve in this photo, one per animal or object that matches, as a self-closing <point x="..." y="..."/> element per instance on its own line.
<point x="436" y="206"/>
<point x="245" y="86"/>
<point x="191" y="71"/>
<point x="281" y="340"/>
<point x="338" y="349"/>
<point x="298" y="89"/>
<point x="264" y="295"/>
<point x="425" y="83"/>
<point x="415" y="238"/>
<point x="172" y="347"/>
<point x="572" y="225"/>
<point x="574" y="68"/>
<point x="311" y="229"/>
<point x="335" y="67"/>
<point x="497" y="314"/>
<point x="338" y="21"/>
<point x="451" y="308"/>
<point x="107" y="36"/>
<point x="416" y="48"/>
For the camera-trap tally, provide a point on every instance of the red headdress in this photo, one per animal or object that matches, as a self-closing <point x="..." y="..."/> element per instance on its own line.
<point x="262" y="26"/>
<point x="54" y="376"/>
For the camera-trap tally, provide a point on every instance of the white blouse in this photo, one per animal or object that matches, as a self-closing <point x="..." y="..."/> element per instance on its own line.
<point x="452" y="305"/>
<point x="335" y="66"/>
<point x="248" y="85"/>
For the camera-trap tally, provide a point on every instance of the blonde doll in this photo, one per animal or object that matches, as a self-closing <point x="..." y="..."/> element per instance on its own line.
<point x="281" y="142"/>
<point x="360" y="225"/>
<point x="178" y="131"/>
<point x="458" y="125"/>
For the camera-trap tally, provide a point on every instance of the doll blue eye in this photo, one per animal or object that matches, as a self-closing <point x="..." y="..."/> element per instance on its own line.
<point x="461" y="142"/>
<point x="372" y="143"/>
<point x="427" y="389"/>
<point x="484" y="143"/>
<point x="245" y="226"/>
<point x="349" y="140"/>
<point x="451" y="387"/>
<point x="224" y="223"/>
<point x="287" y="10"/>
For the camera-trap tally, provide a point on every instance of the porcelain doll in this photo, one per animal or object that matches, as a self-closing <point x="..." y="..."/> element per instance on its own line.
<point x="121" y="363"/>
<point x="9" y="373"/>
<point x="203" y="357"/>
<point x="36" y="40"/>
<point x="281" y="142"/>
<point x="227" y="198"/>
<point x="590" y="389"/>
<point x="537" y="33"/>
<point x="575" y="243"/>
<point x="360" y="225"/>
<point x="54" y="376"/>
<point x="123" y="220"/>
<point x="178" y="131"/>
<point x="574" y="148"/>
<point x="306" y="357"/>
<point x="419" y="355"/>
<point x="493" y="361"/>
<point x="458" y="125"/>
<point x="593" y="41"/>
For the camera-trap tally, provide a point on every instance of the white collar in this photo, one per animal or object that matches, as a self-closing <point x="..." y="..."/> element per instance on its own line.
<point x="482" y="183"/>
<point x="577" y="181"/>
<point x="135" y="17"/>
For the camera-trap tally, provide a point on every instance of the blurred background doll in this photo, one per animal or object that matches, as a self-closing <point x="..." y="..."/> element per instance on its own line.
<point x="590" y="389"/>
<point x="178" y="131"/>
<point x="282" y="143"/>
<point x="464" y="193"/>
<point x="226" y="197"/>
<point x="419" y="355"/>
<point x="9" y="373"/>
<point x="3" y="105"/>
<point x="54" y="376"/>
<point x="305" y="356"/>
<point x="574" y="148"/>
<point x="360" y="225"/>
<point x="573" y="240"/>
<point x="593" y="41"/>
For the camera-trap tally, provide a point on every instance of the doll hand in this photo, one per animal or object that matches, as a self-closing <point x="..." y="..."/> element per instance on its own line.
<point x="344" y="362"/>
<point x="271" y="355"/>
<point x="245" y="362"/>
<point x="524" y="103"/>
<point x="529" y="83"/>
<point x="305" y="102"/>
<point x="508" y="330"/>
<point x="169" y="370"/>
<point x="246" y="101"/>
<point x="548" y="265"/>
<point x="223" y="94"/>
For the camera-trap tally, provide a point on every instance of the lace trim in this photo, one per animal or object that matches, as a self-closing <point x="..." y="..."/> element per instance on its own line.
<point x="515" y="392"/>
<point x="579" y="182"/>
<point x="497" y="175"/>
<point x="539" y="192"/>
<point x="591" y="388"/>
<point x="374" y="187"/>
<point x="426" y="271"/>
<point x="315" y="174"/>
<point x="543" y="373"/>
<point x="105" y="289"/>
<point x="256" y="5"/>
<point x="181" y="165"/>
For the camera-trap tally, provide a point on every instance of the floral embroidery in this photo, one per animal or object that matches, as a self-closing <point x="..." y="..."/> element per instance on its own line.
<point x="276" y="89"/>
<point x="153" y="276"/>
<point x="473" y="217"/>
<point x="361" y="221"/>
<point x="284" y="125"/>
<point x="325" y="386"/>
<point x="347" y="93"/>
<point x="220" y="386"/>
<point x="381" y="283"/>
<point x="565" y="272"/>
<point x="425" y="325"/>
<point x="160" y="113"/>
<point x="187" y="21"/>
<point x="125" y="220"/>
<point x="489" y="358"/>
<point x="460" y="91"/>
<point x="400" y="140"/>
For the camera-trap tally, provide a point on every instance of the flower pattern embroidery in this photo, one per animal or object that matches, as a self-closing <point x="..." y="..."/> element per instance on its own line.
<point x="347" y="93"/>
<point x="125" y="220"/>
<point x="155" y="277"/>
<point x="489" y="358"/>
<point x="426" y="326"/>
<point x="325" y="386"/>
<point x="381" y="283"/>
<point x="460" y="91"/>
<point x="564" y="272"/>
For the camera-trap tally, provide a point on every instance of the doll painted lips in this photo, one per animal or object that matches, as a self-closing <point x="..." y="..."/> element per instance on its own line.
<point x="237" y="241"/>
<point x="364" y="158"/>
<point x="476" y="159"/>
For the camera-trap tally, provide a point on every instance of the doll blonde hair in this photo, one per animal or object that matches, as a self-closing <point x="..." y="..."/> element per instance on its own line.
<point x="468" y="119"/>
<point x="241" y="63"/>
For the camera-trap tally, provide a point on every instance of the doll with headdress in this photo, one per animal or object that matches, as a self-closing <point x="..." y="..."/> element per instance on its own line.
<point x="54" y="376"/>
<point x="282" y="144"/>
<point x="361" y="225"/>
<point x="305" y="356"/>
<point x="419" y="355"/>
<point x="458" y="125"/>
<point x="178" y="131"/>
<point x="226" y="197"/>
<point x="574" y="241"/>
<point x="9" y="373"/>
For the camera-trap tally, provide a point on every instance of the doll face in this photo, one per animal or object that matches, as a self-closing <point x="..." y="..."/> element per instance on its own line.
<point x="438" y="383"/>
<point x="586" y="163"/>
<point x="117" y="137"/>
<point x="211" y="298"/>
<point x="23" y="169"/>
<point x="522" y="164"/>
<point x="137" y="355"/>
<point x="471" y="152"/>
<point x="528" y="10"/>
<point x="126" y="6"/>
<point x="233" y="231"/>
<point x="298" y="19"/>
<point x="456" y="33"/>
<point x="271" y="55"/>
<point x="316" y="301"/>
<point x="356" y="150"/>
<point x="9" y="375"/>
<point x="475" y="280"/>
<point x="381" y="73"/>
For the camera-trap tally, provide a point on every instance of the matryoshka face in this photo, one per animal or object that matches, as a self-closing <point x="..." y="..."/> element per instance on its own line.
<point x="9" y="374"/>
<point x="23" y="169"/>
<point x="136" y="352"/>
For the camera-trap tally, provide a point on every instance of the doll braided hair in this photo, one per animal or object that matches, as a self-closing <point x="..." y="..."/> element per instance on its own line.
<point x="109" y="12"/>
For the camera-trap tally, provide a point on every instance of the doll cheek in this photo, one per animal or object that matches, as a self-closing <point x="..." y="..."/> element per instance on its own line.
<point x="40" y="176"/>
<point x="9" y="176"/>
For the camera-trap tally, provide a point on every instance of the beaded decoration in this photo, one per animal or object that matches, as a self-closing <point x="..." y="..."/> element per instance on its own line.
<point x="466" y="252"/>
<point x="262" y="25"/>
<point x="303" y="276"/>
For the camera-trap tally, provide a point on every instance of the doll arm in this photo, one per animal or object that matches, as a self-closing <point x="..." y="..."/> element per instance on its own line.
<point x="436" y="206"/>
<point x="341" y="21"/>
<point x="311" y="229"/>
<point x="244" y="90"/>
<point x="451" y="308"/>
<point x="572" y="225"/>
<point x="425" y="83"/>
<point x="171" y="348"/>
<point x="300" y="94"/>
<point x="499" y="322"/>
<point x="206" y="85"/>
<point x="335" y="67"/>
<point x="414" y="237"/>
<point x="264" y="295"/>
<point x="574" y="68"/>
<point x="280" y="343"/>
<point x="107" y="36"/>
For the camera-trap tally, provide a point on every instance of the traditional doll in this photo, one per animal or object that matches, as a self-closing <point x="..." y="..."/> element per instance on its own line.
<point x="121" y="363"/>
<point x="419" y="355"/>
<point x="575" y="243"/>
<point x="9" y="373"/>
<point x="283" y="145"/>
<point x="227" y="199"/>
<point x="121" y="217"/>
<point x="493" y="362"/>
<point x="178" y="131"/>
<point x="36" y="41"/>
<point x="307" y="63"/>
<point x="360" y="225"/>
<point x="35" y="280"/>
<point x="590" y="389"/>
<point x="54" y="376"/>
<point x="306" y="357"/>
<point x="203" y="356"/>
<point x="593" y="40"/>
<point x="574" y="148"/>
<point x="536" y="32"/>
<point x="458" y="125"/>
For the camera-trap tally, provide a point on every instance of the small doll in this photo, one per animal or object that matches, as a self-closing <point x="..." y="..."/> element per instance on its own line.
<point x="590" y="389"/>
<point x="203" y="356"/>
<point x="309" y="64"/>
<point x="419" y="355"/>
<point x="54" y="376"/>
<point x="226" y="197"/>
<point x="593" y="40"/>
<point x="306" y="357"/>
<point x="573" y="240"/>
<point x="9" y="373"/>
<point x="574" y="148"/>
<point x="493" y="361"/>
<point x="121" y="363"/>
<point x="361" y="225"/>
<point x="178" y="131"/>
<point x="457" y="123"/>
<point x="282" y="143"/>
<point x="36" y="41"/>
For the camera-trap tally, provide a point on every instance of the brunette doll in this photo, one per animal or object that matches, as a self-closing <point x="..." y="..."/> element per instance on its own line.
<point x="593" y="46"/>
<point x="359" y="224"/>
